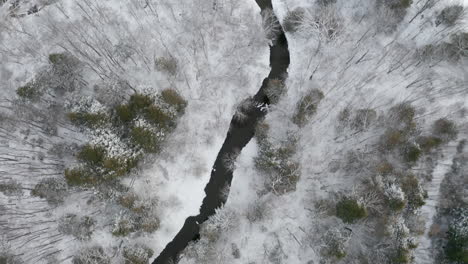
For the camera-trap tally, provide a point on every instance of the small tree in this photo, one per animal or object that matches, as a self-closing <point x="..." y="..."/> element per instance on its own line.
<point x="349" y="210"/>
<point x="90" y="120"/>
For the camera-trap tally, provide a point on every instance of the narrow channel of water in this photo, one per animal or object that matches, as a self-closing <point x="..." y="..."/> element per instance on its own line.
<point x="240" y="133"/>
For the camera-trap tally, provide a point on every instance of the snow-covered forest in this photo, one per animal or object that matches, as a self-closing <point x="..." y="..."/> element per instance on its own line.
<point x="113" y="113"/>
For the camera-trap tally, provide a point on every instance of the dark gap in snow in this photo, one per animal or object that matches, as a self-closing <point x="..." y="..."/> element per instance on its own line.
<point x="239" y="134"/>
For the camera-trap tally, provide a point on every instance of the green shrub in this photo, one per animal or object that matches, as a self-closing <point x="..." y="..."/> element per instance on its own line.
<point x="428" y="143"/>
<point x="91" y="120"/>
<point x="171" y="97"/>
<point x="115" y="167"/>
<point x="401" y="256"/>
<point x="145" y="139"/>
<point x="57" y="58"/>
<point x="138" y="102"/>
<point x="307" y="107"/>
<point x="445" y="129"/>
<point x="92" y="155"/>
<point x="411" y="153"/>
<point x="456" y="249"/>
<point x="396" y="204"/>
<point x="349" y="210"/>
<point x="293" y="20"/>
<point x="80" y="177"/>
<point x="137" y="254"/>
<point x="413" y="192"/>
<point x="391" y="139"/>
<point x="399" y="4"/>
<point x="124" y="113"/>
<point x="157" y="116"/>
<point x="29" y="92"/>
<point x="450" y="15"/>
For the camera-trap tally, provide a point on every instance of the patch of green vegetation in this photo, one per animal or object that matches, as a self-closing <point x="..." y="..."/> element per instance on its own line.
<point x="456" y="249"/>
<point x="396" y="204"/>
<point x="57" y="58"/>
<point x="92" y="155"/>
<point x="115" y="167"/>
<point x="307" y="107"/>
<point x="411" y="153"/>
<point x="445" y="129"/>
<point x="401" y="256"/>
<point x="124" y="113"/>
<point x="99" y="167"/>
<point x="80" y="177"/>
<point x="157" y="116"/>
<point x="139" y="102"/>
<point x="428" y="143"/>
<point x="401" y="4"/>
<point x="392" y="139"/>
<point x="90" y="120"/>
<point x="171" y="97"/>
<point x="413" y="191"/>
<point x="29" y="92"/>
<point x="349" y="210"/>
<point x="145" y="139"/>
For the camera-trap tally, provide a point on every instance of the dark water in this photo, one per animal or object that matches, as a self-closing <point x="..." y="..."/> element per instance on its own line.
<point x="240" y="133"/>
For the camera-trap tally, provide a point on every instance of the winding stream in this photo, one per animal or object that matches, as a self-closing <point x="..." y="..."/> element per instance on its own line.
<point x="239" y="134"/>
